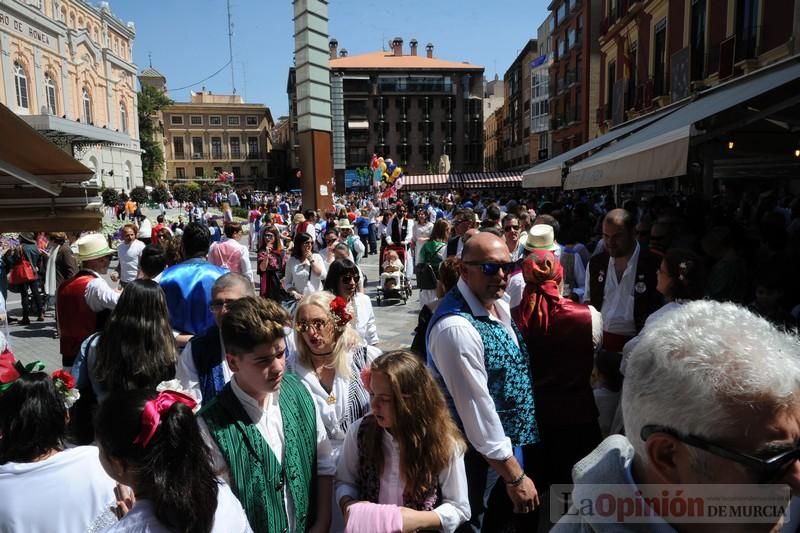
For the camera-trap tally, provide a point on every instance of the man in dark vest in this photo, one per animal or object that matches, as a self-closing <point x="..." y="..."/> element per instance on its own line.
<point x="84" y="302"/>
<point x="463" y="221"/>
<point x="477" y="353"/>
<point x="399" y="231"/>
<point x="265" y="435"/>
<point x="621" y="281"/>
<point x="202" y="369"/>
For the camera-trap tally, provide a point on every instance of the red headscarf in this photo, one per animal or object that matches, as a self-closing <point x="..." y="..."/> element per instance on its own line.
<point x="542" y="273"/>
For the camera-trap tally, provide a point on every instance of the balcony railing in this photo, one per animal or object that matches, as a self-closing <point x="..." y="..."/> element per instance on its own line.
<point x="223" y="155"/>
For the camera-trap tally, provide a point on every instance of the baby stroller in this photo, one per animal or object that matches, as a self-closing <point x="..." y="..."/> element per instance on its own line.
<point x="402" y="288"/>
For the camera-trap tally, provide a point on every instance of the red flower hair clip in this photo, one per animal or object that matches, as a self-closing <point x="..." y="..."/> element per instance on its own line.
<point x="339" y="313"/>
<point x="366" y="375"/>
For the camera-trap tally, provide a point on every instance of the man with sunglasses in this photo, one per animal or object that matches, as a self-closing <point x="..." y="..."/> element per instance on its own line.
<point x="711" y="396"/>
<point x="479" y="357"/>
<point x="463" y="221"/>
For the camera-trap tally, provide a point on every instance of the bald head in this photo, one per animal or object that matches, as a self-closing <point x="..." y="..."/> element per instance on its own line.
<point x="483" y="245"/>
<point x="621" y="217"/>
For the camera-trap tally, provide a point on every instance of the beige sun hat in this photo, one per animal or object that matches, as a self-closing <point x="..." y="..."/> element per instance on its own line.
<point x="344" y="224"/>
<point x="298" y="218"/>
<point x="541" y="237"/>
<point x="93" y="246"/>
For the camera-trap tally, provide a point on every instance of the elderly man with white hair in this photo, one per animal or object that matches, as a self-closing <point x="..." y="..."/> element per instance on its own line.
<point x="711" y="396"/>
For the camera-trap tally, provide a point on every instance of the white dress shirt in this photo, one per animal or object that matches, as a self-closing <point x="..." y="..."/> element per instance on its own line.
<point x="129" y="255"/>
<point x="457" y="350"/>
<point x="99" y="295"/>
<point x="453" y="508"/>
<point x="270" y="425"/>
<point x="578" y="271"/>
<point x="617" y="307"/>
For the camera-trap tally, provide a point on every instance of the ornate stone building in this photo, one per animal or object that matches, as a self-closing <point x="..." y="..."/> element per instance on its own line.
<point x="66" y="67"/>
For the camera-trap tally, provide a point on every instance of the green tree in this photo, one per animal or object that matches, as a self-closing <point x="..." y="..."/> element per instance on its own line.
<point x="186" y="192"/>
<point x="160" y="194"/>
<point x="140" y="195"/>
<point x="151" y="101"/>
<point x="110" y="197"/>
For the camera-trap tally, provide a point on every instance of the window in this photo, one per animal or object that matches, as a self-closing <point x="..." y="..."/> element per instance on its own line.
<point x="21" y="84"/>
<point x="180" y="172"/>
<point x="252" y="147"/>
<point x="611" y="78"/>
<point x="237" y="171"/>
<point x="659" y="58"/>
<point x="215" y="120"/>
<point x="254" y="171"/>
<point x="176" y="120"/>
<point x="199" y="172"/>
<point x="196" y="120"/>
<point x="123" y="118"/>
<point x="746" y="28"/>
<point x="233" y="121"/>
<point x="50" y="94"/>
<point x="252" y="121"/>
<point x="633" y="60"/>
<point x="197" y="147"/>
<point x="697" y="40"/>
<point x="236" y="149"/>
<point x="216" y="147"/>
<point x="87" y="107"/>
<point x="177" y="148"/>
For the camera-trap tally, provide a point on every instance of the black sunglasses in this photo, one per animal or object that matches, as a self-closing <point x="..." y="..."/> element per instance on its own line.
<point x="768" y="469"/>
<point x="490" y="269"/>
<point x="347" y="278"/>
<point x="508" y="229"/>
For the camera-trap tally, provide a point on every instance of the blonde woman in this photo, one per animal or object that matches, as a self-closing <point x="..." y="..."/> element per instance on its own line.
<point x="330" y="357"/>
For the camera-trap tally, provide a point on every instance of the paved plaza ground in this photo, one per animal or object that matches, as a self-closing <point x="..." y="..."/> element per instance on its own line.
<point x="396" y="323"/>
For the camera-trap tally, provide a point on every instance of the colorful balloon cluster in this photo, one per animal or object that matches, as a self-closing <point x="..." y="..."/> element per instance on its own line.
<point x="386" y="175"/>
<point x="226" y="177"/>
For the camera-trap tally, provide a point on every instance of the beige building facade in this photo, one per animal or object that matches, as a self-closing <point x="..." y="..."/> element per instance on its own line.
<point x="214" y="133"/>
<point x="66" y="67"/>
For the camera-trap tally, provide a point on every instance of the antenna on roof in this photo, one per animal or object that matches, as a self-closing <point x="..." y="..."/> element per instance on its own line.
<point x="383" y="42"/>
<point x="150" y="57"/>
<point x="230" y="47"/>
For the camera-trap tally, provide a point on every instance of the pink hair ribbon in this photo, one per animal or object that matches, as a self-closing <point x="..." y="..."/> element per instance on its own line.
<point x="153" y="409"/>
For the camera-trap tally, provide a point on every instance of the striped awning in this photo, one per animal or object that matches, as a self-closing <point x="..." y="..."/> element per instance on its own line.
<point x="482" y="180"/>
<point x="474" y="180"/>
<point x="430" y="182"/>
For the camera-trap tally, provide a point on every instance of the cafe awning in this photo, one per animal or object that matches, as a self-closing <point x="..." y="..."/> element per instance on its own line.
<point x="549" y="173"/>
<point x="40" y="184"/>
<point x="661" y="150"/>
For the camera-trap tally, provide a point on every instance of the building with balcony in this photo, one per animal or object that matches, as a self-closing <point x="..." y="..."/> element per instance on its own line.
<point x="66" y="69"/>
<point x="656" y="52"/>
<point x="213" y="133"/>
<point x="517" y="124"/>
<point x="410" y="107"/>
<point x="493" y="140"/>
<point x="575" y="72"/>
<point x="540" y="138"/>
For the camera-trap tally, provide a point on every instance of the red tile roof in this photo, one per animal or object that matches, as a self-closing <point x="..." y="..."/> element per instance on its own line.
<point x="387" y="60"/>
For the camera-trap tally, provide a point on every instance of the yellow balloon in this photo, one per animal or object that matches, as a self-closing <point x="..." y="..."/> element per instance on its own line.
<point x="397" y="172"/>
<point x="382" y="166"/>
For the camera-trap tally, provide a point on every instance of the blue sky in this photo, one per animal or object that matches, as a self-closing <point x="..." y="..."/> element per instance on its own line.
<point x="188" y="39"/>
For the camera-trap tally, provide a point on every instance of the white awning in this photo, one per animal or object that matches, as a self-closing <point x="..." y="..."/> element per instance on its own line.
<point x="548" y="173"/>
<point x="661" y="150"/>
<point x="357" y="125"/>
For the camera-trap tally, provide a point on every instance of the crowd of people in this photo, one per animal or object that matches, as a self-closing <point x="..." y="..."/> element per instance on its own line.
<point x="223" y="383"/>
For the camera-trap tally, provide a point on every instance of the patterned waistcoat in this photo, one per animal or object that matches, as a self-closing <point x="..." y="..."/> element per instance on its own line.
<point x="257" y="477"/>
<point x="207" y="355"/>
<point x="507" y="369"/>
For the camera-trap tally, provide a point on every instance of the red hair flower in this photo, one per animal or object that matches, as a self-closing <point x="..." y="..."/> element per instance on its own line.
<point x="341" y="316"/>
<point x="65" y="378"/>
<point x="8" y="370"/>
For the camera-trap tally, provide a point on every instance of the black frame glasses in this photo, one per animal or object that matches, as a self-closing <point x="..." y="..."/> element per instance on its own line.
<point x="490" y="269"/>
<point x="768" y="469"/>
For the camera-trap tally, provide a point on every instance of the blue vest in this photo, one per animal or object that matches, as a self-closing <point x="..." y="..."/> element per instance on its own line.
<point x="507" y="369"/>
<point x="207" y="355"/>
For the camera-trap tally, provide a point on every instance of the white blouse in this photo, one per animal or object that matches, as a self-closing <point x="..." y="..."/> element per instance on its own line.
<point x="228" y="518"/>
<point x="335" y="415"/>
<point x="365" y="318"/>
<point x="454" y="507"/>
<point x="299" y="276"/>
<point x="68" y="491"/>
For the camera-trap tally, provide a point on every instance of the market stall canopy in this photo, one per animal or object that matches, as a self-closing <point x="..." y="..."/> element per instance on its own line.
<point x="661" y="150"/>
<point x="549" y="173"/>
<point x="40" y="184"/>
<point x="473" y="180"/>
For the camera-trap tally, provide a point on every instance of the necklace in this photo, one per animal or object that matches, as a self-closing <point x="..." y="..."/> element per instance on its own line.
<point x="331" y="399"/>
